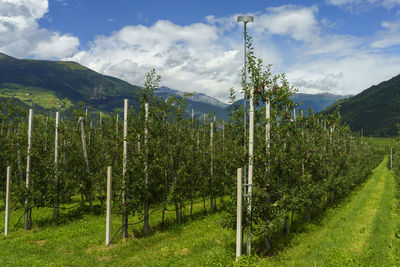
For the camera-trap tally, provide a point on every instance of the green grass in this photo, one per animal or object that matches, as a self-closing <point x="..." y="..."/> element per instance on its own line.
<point x="385" y="142"/>
<point x="32" y="95"/>
<point x="362" y="230"/>
<point x="79" y="241"/>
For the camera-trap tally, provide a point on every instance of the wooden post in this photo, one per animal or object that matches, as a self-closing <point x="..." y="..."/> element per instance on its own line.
<point x="146" y="171"/>
<point x="124" y="161"/>
<point x="84" y="148"/>
<point x="250" y="174"/>
<point x="27" y="217"/>
<point x="294" y="114"/>
<point x="19" y="163"/>
<point x="204" y="157"/>
<point x="391" y="158"/>
<point x="138" y="143"/>
<point x="239" y="214"/>
<point x="268" y="124"/>
<point x="100" y="124"/>
<point x="55" y="207"/>
<point x="85" y="155"/>
<point x="223" y="137"/>
<point x="212" y="166"/>
<point x="116" y="133"/>
<point x="7" y="219"/>
<point x="192" y="166"/>
<point x="108" y="218"/>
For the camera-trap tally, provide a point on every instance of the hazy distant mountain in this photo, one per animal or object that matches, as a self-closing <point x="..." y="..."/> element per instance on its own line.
<point x="200" y="103"/>
<point x="198" y="97"/>
<point x="317" y="102"/>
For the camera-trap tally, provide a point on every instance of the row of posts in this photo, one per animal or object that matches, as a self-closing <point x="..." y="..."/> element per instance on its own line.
<point x="108" y="217"/>
<point x="28" y="219"/>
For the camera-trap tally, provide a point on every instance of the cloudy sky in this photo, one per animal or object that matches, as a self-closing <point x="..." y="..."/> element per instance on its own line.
<point x="335" y="46"/>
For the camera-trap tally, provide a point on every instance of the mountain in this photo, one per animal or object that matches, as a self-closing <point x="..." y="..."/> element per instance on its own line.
<point x="61" y="84"/>
<point x="375" y="110"/>
<point x="200" y="103"/>
<point x="164" y="91"/>
<point x="317" y="102"/>
<point x="58" y="85"/>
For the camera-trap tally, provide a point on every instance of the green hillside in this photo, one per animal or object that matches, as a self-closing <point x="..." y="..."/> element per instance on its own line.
<point x="376" y="110"/>
<point x="60" y="85"/>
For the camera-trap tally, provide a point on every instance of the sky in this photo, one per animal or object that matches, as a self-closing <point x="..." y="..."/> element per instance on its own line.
<point x="333" y="46"/>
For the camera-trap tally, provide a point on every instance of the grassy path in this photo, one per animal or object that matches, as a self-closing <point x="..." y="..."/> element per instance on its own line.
<point x="362" y="231"/>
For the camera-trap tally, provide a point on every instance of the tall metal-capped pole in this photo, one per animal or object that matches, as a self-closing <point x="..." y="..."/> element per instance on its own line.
<point x="247" y="19"/>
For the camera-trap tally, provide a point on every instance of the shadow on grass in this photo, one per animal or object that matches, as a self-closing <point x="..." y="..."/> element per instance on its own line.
<point x="67" y="215"/>
<point x="170" y="225"/>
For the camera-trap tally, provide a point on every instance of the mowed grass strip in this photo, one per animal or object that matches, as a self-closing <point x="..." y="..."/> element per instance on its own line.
<point x="384" y="241"/>
<point x="358" y="232"/>
<point x="79" y="241"/>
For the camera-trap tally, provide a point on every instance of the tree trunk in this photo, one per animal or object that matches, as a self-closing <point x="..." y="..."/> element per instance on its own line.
<point x="204" y="206"/>
<point x="191" y="206"/>
<point x="267" y="244"/>
<point x="178" y="218"/>
<point x="286" y="225"/>
<point x="163" y="217"/>
<point x="291" y="218"/>
<point x="308" y="214"/>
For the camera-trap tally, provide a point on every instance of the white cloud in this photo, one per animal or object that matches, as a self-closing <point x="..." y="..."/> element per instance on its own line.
<point x="361" y="5"/>
<point x="207" y="57"/>
<point x="297" y="22"/>
<point x="348" y="75"/>
<point x="343" y="2"/>
<point x="21" y="36"/>
<point x="203" y="57"/>
<point x="389" y="36"/>
<point x="55" y="46"/>
<point x="188" y="57"/>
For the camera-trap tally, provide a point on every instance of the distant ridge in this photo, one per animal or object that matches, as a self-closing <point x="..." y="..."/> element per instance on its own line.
<point x="375" y="111"/>
<point x="58" y="85"/>
<point x="317" y="102"/>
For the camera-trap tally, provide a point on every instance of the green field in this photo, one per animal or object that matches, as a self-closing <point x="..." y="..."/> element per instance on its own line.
<point x="39" y="96"/>
<point x="386" y="142"/>
<point x="79" y="241"/>
<point x="362" y="230"/>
